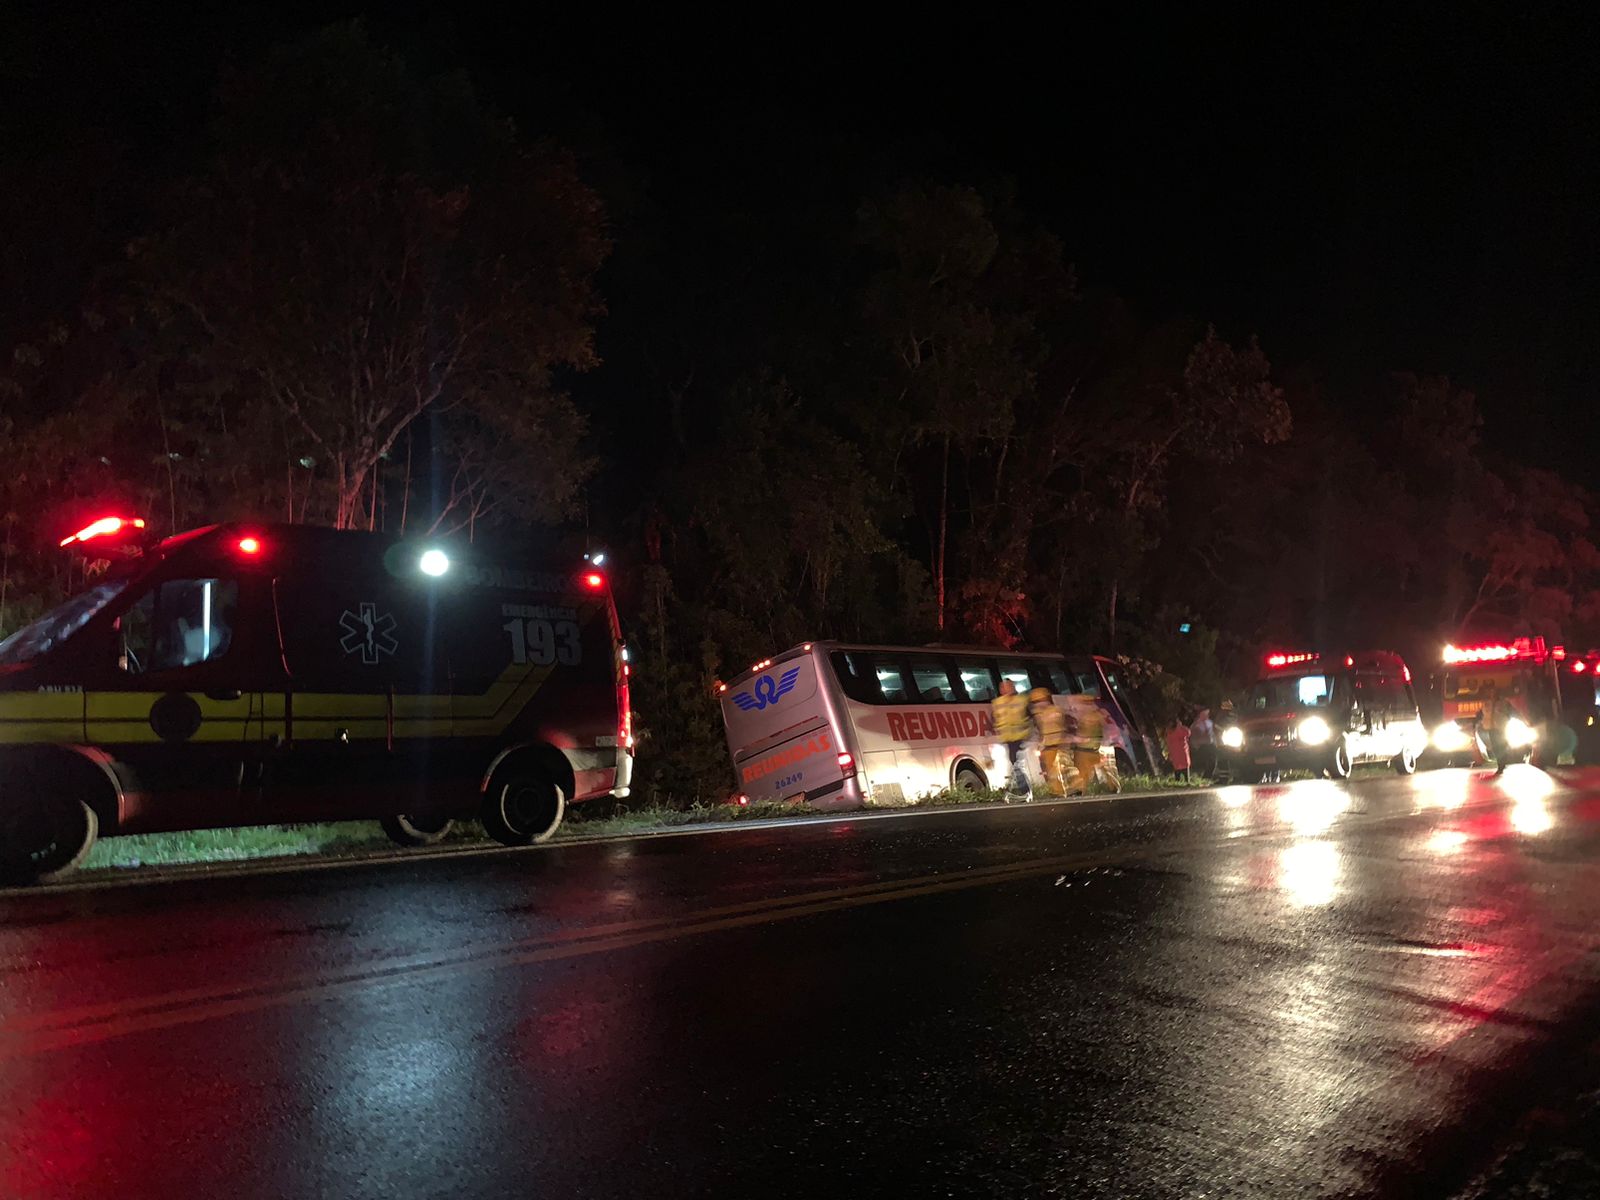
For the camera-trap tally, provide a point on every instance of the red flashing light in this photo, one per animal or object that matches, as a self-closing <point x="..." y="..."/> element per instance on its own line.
<point x="1290" y="660"/>
<point x="1559" y="653"/>
<point x="104" y="527"/>
<point x="1349" y="660"/>
<point x="1405" y="673"/>
<point x="1579" y="667"/>
<point x="847" y="762"/>
<point x="742" y="800"/>
<point x="594" y="581"/>
<point x="249" y="545"/>
<point x="1479" y="654"/>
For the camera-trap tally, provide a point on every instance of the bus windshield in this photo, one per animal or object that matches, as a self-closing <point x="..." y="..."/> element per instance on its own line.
<point x="1291" y="691"/>
<point x="57" y="625"/>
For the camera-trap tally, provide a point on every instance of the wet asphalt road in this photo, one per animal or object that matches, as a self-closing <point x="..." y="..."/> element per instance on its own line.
<point x="1307" y="989"/>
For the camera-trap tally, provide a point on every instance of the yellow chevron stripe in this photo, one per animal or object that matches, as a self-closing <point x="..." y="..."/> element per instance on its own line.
<point x="119" y="717"/>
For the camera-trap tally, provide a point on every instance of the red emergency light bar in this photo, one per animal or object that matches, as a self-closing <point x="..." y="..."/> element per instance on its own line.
<point x="1533" y="648"/>
<point x="594" y="581"/>
<point x="104" y="527"/>
<point x="1290" y="660"/>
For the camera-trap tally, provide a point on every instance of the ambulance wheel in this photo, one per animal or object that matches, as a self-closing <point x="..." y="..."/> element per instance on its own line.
<point x="522" y="807"/>
<point x="1339" y="764"/>
<point x="44" y="836"/>
<point x="405" y="830"/>
<point x="1405" y="763"/>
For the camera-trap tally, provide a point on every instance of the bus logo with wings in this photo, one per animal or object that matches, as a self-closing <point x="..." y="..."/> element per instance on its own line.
<point x="767" y="691"/>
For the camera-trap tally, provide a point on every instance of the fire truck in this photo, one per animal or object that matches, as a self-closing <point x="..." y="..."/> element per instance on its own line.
<point x="1524" y="672"/>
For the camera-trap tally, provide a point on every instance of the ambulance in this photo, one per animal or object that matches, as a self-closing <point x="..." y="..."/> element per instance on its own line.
<point x="244" y="674"/>
<point x="1324" y="713"/>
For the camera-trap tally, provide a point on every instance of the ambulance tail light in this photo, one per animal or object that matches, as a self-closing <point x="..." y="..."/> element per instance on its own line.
<point x="1579" y="667"/>
<point x="249" y="546"/>
<point x="847" y="763"/>
<point x="741" y="800"/>
<point x="593" y="580"/>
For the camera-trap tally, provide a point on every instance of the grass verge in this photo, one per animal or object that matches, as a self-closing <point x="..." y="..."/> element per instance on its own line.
<point x="351" y="838"/>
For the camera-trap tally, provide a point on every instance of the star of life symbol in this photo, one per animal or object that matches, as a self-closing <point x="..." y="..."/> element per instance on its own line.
<point x="366" y="631"/>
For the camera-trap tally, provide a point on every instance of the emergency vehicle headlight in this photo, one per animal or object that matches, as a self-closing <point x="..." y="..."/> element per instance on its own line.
<point x="1232" y="737"/>
<point x="1451" y="738"/>
<point x="1519" y="734"/>
<point x="434" y="562"/>
<point x="1314" y="731"/>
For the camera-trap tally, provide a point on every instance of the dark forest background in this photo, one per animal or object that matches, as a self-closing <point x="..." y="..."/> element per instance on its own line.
<point x="800" y="375"/>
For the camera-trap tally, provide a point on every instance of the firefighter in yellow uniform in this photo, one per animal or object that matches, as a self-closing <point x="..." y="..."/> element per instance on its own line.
<point x="1090" y="732"/>
<point x="1012" y="725"/>
<point x="1051" y="723"/>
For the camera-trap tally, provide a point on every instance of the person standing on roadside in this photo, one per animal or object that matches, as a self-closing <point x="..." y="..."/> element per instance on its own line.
<point x="1203" y="745"/>
<point x="1178" y="748"/>
<point x="1051" y="723"/>
<point x="1497" y="711"/>
<point x="1013" y="725"/>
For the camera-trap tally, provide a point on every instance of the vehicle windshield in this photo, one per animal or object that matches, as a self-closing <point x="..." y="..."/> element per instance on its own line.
<point x="1472" y="684"/>
<point x="57" y="625"/>
<point x="1291" y="691"/>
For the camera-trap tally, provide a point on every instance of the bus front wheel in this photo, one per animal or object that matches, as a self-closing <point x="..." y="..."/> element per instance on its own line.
<point x="522" y="807"/>
<point x="404" y="830"/>
<point x="43" y="835"/>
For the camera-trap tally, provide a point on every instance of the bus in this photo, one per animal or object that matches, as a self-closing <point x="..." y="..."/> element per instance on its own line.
<point x="245" y="674"/>
<point x="839" y="725"/>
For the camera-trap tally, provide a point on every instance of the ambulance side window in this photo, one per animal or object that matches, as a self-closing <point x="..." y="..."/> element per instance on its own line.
<point x="179" y="623"/>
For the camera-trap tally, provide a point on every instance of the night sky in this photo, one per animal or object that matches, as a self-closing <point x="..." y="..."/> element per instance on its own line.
<point x="1381" y="193"/>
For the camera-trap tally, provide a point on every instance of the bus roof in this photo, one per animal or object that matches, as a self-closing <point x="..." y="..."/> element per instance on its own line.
<point x="827" y="647"/>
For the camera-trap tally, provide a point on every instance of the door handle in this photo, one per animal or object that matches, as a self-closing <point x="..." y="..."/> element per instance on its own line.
<point x="224" y="694"/>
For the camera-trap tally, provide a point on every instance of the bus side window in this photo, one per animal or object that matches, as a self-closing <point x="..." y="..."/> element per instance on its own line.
<point x="891" y="679"/>
<point x="855" y="677"/>
<point x="977" y="679"/>
<point x="1017" y="673"/>
<point x="932" y="679"/>
<point x="1055" y="676"/>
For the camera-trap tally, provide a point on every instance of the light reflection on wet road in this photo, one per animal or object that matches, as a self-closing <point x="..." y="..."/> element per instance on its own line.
<point x="1301" y="989"/>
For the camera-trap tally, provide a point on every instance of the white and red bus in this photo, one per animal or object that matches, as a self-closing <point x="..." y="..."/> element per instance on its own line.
<point x="839" y="725"/>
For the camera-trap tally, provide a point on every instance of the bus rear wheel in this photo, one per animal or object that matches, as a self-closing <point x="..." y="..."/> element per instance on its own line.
<point x="970" y="779"/>
<point x="521" y="807"/>
<point x="404" y="830"/>
<point x="43" y="836"/>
